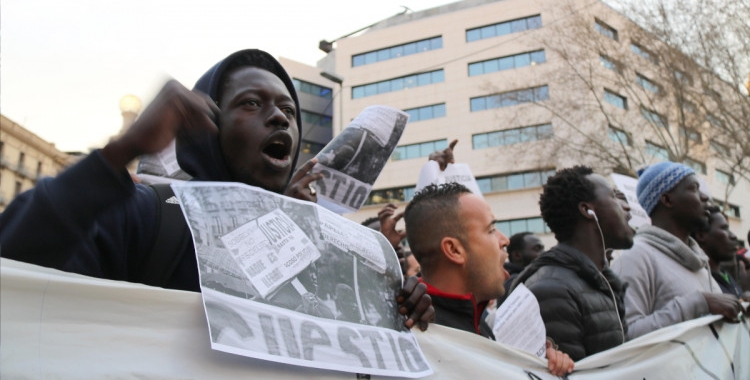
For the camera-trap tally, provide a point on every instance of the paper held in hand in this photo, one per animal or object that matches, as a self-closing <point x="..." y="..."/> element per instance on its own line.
<point x="518" y="323"/>
<point x="353" y="160"/>
<point x="289" y="281"/>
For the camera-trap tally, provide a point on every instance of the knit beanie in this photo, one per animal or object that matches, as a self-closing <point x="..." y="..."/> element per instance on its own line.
<point x="657" y="179"/>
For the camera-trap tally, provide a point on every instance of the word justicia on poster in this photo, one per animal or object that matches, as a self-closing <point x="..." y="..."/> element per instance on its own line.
<point x="292" y="282"/>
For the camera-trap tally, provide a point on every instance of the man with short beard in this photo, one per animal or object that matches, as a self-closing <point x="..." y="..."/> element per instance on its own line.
<point x="452" y="232"/>
<point x="667" y="272"/>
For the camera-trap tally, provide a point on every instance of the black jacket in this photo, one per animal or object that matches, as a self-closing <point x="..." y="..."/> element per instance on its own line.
<point x="580" y="312"/>
<point x="459" y="312"/>
<point x="92" y="219"/>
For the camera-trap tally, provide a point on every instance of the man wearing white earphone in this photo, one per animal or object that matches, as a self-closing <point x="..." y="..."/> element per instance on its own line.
<point x="580" y="298"/>
<point x="668" y="275"/>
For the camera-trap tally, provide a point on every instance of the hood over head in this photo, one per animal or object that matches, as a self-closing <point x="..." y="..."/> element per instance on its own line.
<point x="199" y="153"/>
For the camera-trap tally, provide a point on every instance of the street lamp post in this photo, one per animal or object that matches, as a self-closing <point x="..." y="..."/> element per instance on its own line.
<point x="340" y="81"/>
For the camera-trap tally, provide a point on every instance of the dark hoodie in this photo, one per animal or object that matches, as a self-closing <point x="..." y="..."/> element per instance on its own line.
<point x="582" y="309"/>
<point x="93" y="220"/>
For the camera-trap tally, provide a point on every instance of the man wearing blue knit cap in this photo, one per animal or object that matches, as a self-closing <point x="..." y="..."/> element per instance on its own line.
<point x="668" y="274"/>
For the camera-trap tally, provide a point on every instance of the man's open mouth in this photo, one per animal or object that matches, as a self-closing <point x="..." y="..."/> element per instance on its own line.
<point x="278" y="147"/>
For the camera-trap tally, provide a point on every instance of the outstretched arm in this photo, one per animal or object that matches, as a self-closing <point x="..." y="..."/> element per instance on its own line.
<point x="69" y="222"/>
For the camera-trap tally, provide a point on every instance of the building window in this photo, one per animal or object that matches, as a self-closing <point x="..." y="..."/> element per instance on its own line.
<point x="426" y="112"/>
<point x="653" y="117"/>
<point x="38" y="169"/>
<point x="729" y="209"/>
<point x="724" y="177"/>
<point x="606" y="30"/>
<point x="643" y="52"/>
<point x="512" y="136"/>
<point x="720" y="149"/>
<point x="17" y="189"/>
<point x="657" y="151"/>
<point x="406" y="152"/>
<point x="506" y="63"/>
<point x="503" y="28"/>
<point x="619" y="136"/>
<point x="715" y="121"/>
<point x="21" y="159"/>
<point x="514" y="226"/>
<point x="712" y="93"/>
<point x="646" y="83"/>
<point x="395" y="195"/>
<point x="398" y="84"/>
<point x="698" y="166"/>
<point x="312" y="89"/>
<point x="682" y="77"/>
<point x="510" y="98"/>
<point x="309" y="147"/>
<point x="615" y="99"/>
<point x="398" y="51"/>
<point x="609" y="63"/>
<point x="686" y="105"/>
<point x="514" y="181"/>
<point x="316" y="119"/>
<point x="690" y="134"/>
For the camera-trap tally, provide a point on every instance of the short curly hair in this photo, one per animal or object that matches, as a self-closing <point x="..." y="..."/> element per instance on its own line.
<point x="560" y="198"/>
<point x="430" y="216"/>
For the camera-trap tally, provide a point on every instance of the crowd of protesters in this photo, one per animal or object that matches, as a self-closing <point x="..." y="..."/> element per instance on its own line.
<point x="242" y="123"/>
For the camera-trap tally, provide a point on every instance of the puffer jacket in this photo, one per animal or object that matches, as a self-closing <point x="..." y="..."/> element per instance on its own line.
<point x="582" y="309"/>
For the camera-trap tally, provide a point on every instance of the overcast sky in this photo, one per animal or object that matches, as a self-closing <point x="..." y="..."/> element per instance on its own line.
<point x="64" y="65"/>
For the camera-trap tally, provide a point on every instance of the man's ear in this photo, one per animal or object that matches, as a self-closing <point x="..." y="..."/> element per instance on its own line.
<point x="666" y="199"/>
<point x="583" y="209"/>
<point x="453" y="250"/>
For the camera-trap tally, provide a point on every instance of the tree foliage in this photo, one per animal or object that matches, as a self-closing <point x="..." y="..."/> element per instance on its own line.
<point x="667" y="82"/>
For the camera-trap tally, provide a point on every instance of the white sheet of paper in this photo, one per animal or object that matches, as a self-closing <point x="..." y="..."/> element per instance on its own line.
<point x="518" y="323"/>
<point x="628" y="185"/>
<point x="460" y="173"/>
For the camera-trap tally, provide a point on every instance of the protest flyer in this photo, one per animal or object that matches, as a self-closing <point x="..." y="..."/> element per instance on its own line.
<point x="291" y="282"/>
<point x="627" y="186"/>
<point x="460" y="173"/>
<point x="518" y="323"/>
<point x="353" y="160"/>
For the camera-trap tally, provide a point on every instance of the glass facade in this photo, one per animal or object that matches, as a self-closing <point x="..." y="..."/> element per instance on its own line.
<point x="398" y="84"/>
<point x="511" y="136"/>
<point x="397" y="51"/>
<point x="504" y="28"/>
<point x="510" y="98"/>
<point x="506" y="63"/>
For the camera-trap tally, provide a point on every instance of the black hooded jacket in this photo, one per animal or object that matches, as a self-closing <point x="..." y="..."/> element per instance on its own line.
<point x="93" y="220"/>
<point x="581" y="313"/>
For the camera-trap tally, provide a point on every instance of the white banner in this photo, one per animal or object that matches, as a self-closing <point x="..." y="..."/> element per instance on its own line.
<point x="67" y="326"/>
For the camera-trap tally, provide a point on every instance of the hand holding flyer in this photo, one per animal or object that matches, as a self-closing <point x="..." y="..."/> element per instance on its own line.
<point x="353" y="160"/>
<point x="289" y="281"/>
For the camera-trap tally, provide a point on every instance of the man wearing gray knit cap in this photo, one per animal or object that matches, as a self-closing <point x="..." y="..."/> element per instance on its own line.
<point x="667" y="272"/>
